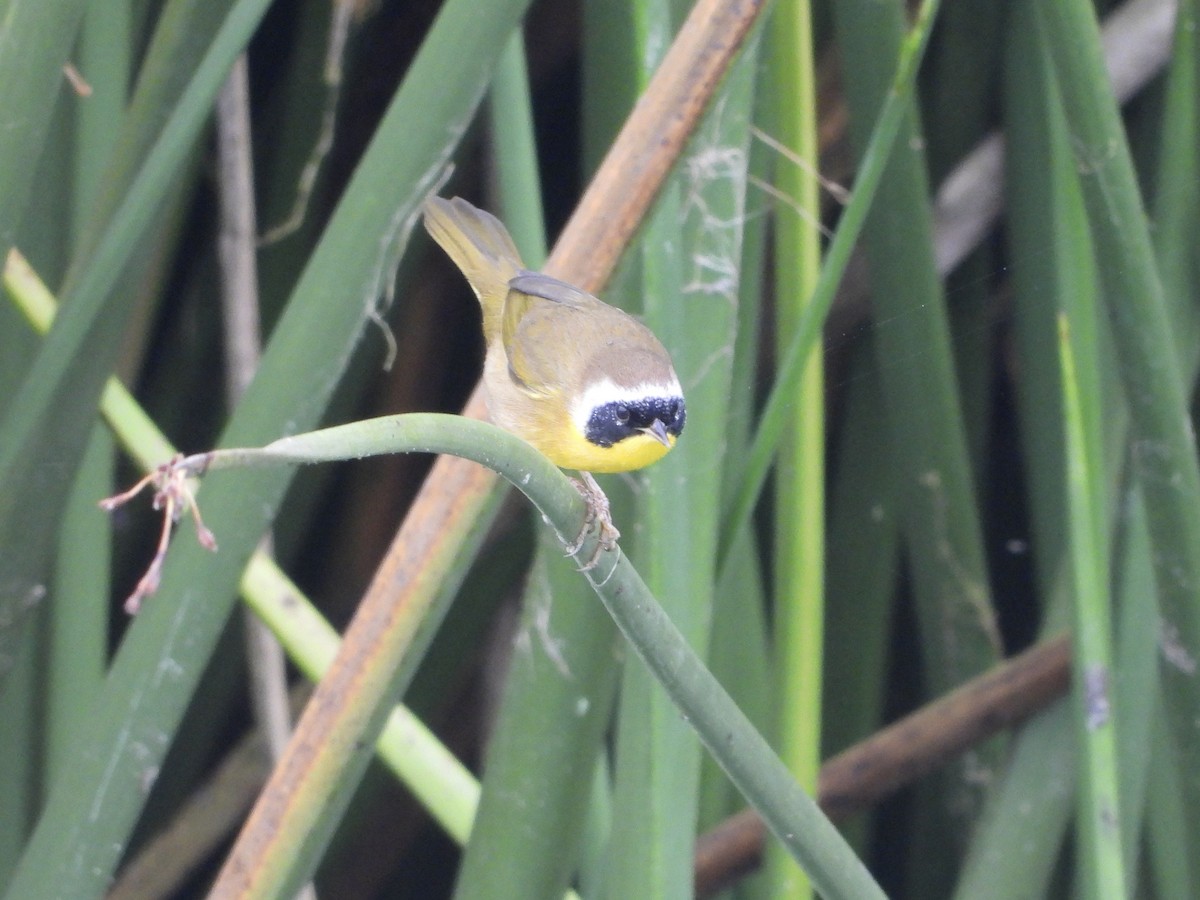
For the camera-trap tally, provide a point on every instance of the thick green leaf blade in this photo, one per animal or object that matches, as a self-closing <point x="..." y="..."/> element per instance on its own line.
<point x="35" y="43"/>
<point x="800" y="526"/>
<point x="690" y="289"/>
<point x="556" y="709"/>
<point x="1099" y="843"/>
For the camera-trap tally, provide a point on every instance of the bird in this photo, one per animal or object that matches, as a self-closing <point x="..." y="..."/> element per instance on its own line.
<point x="583" y="382"/>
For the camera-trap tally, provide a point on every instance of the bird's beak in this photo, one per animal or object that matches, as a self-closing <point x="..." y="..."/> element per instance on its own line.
<point x="658" y="431"/>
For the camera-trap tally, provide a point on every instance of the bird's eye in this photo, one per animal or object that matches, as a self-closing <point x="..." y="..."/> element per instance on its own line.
<point x="623" y="415"/>
<point x="674" y="410"/>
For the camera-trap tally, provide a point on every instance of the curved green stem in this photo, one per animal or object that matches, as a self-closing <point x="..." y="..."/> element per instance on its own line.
<point x="739" y="749"/>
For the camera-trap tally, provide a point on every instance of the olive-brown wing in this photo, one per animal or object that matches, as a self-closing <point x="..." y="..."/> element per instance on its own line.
<point x="550" y="330"/>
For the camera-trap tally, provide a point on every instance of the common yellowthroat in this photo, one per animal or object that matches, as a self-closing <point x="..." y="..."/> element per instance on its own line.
<point x="588" y="385"/>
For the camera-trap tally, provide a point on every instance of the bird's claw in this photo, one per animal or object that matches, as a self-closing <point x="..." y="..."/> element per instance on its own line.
<point x="598" y="515"/>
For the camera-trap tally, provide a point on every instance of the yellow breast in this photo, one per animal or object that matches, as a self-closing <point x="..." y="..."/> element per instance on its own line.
<point x="571" y="450"/>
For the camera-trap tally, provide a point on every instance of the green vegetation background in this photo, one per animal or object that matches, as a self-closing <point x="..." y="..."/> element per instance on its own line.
<point x="992" y="446"/>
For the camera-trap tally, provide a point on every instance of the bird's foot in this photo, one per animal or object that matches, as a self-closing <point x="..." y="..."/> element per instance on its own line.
<point x="599" y="515"/>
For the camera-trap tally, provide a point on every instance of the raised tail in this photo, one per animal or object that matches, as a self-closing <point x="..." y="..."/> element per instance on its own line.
<point x="481" y="247"/>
